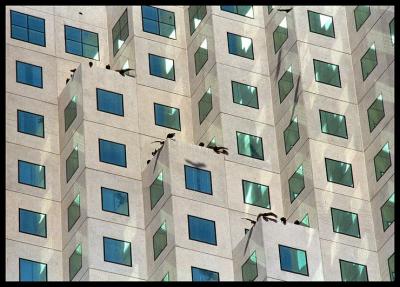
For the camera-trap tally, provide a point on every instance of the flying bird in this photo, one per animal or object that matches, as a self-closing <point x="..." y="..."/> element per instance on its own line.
<point x="73" y="70"/>
<point x="285" y="10"/>
<point x="170" y="135"/>
<point x="251" y="221"/>
<point x="154" y="152"/>
<point x="67" y="81"/>
<point x="201" y="144"/>
<point x="161" y="142"/>
<point x="90" y="64"/>
<point x="265" y="214"/>
<point x="80" y="13"/>
<point x="148" y="161"/>
<point x="123" y="71"/>
<point x="283" y="219"/>
<point x="108" y="67"/>
<point x="297" y="222"/>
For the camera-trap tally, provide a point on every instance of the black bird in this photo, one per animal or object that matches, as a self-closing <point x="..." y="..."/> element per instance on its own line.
<point x="201" y="144"/>
<point x="220" y="149"/>
<point x="285" y="10"/>
<point x="67" y="81"/>
<point x="90" y="64"/>
<point x="161" y="142"/>
<point x="154" y="152"/>
<point x="148" y="161"/>
<point x="224" y="152"/>
<point x="251" y="221"/>
<point x="108" y="67"/>
<point x="296" y="222"/>
<point x="170" y="135"/>
<point x="265" y="214"/>
<point x="123" y="71"/>
<point x="80" y="13"/>
<point x="283" y="219"/>
<point x="73" y="70"/>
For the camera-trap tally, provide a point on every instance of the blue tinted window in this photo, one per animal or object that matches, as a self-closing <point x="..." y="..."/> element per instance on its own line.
<point x="114" y="201"/>
<point x="31" y="174"/>
<point x="199" y="274"/>
<point x="110" y="102"/>
<point x="168" y="117"/>
<point x="162" y="67"/>
<point x="202" y="230"/>
<point x="240" y="46"/>
<point x="28" y="28"/>
<point x="29" y="123"/>
<point x="198" y="179"/>
<point x="32" y="271"/>
<point x="293" y="260"/>
<point x="112" y="153"/>
<point x="158" y="21"/>
<point x="29" y="74"/>
<point x="33" y="223"/>
<point x="117" y="251"/>
<point x="81" y="42"/>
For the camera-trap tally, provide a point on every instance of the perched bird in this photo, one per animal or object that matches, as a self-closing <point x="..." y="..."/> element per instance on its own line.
<point x="73" y="70"/>
<point x="108" y="67"/>
<point x="265" y="214"/>
<point x="201" y="144"/>
<point x="296" y="222"/>
<point x="283" y="219"/>
<point x="285" y="10"/>
<point x="161" y="142"/>
<point x="67" y="81"/>
<point x="154" y="152"/>
<point x="225" y="152"/>
<point x="123" y="71"/>
<point x="90" y="64"/>
<point x="220" y="149"/>
<point x="148" y="161"/>
<point x="170" y="135"/>
<point x="251" y="221"/>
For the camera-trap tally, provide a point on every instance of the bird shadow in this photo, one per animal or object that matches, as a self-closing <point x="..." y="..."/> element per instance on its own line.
<point x="248" y="239"/>
<point x="157" y="156"/>
<point x="296" y="97"/>
<point x="196" y="164"/>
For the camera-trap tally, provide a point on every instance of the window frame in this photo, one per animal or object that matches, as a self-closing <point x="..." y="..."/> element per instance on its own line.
<point x="154" y="75"/>
<point x="71" y="102"/>
<point x="288" y="70"/>
<point x="333" y="223"/>
<point x="365" y="76"/>
<point x="119" y="31"/>
<point x="292" y="121"/>
<point x="126" y="163"/>
<point x="191" y="269"/>
<point x="276" y="50"/>
<point x="166" y="244"/>
<point x="242" y="84"/>
<point x="262" y="145"/>
<point x="390" y="31"/>
<point x="338" y="71"/>
<point x="158" y="21"/>
<point x="75" y="149"/>
<point x="220" y="7"/>
<point x="162" y="184"/>
<point x="309" y="24"/>
<point x="33" y="234"/>
<point x="198" y="69"/>
<point x="355" y="18"/>
<point x="237" y="35"/>
<point x="198" y="105"/>
<point x="327" y="175"/>
<point x="25" y="63"/>
<point x="114" y="190"/>
<point x="27" y="28"/>
<point x="204" y="170"/>
<point x="205" y="219"/>
<point x="44" y="172"/>
<point x="383" y="225"/>
<point x="292" y="248"/>
<point x="104" y="253"/>
<point x="20" y="131"/>
<point x="118" y="94"/>
<point x="195" y="13"/>
<point x="69" y="262"/>
<point x="19" y="268"/>
<point x="248" y="260"/>
<point x="69" y="206"/>
<point x="383" y="110"/>
<point x="390" y="161"/>
<point x="390" y="271"/>
<point x="341" y="272"/>
<point x="179" y="117"/>
<point x="81" y="42"/>
<point x="345" y="124"/>
<point x="244" y="194"/>
<point x="304" y="183"/>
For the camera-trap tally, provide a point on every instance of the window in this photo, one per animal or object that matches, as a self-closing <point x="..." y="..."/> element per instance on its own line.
<point x="201" y="56"/>
<point x="31" y="174"/>
<point x="156" y="190"/>
<point x="249" y="145"/>
<point x="114" y="201"/>
<point x="270" y="9"/>
<point x="74" y="211"/>
<point x="339" y="172"/>
<point x="33" y="223"/>
<point x="296" y="183"/>
<point x="285" y="84"/>
<point x="70" y="112"/>
<point x="249" y="268"/>
<point x="212" y="143"/>
<point x="196" y="15"/>
<point x="305" y="221"/>
<point x="112" y="153"/>
<point x="198" y="179"/>
<point x="120" y="32"/>
<point x="361" y="14"/>
<point x="345" y="222"/>
<point x="28" y="28"/>
<point x="382" y="161"/>
<point x="117" y="251"/>
<point x="202" y="230"/>
<point x="391" y="29"/>
<point x="75" y="262"/>
<point x="280" y="35"/>
<point x="245" y="95"/>
<point x="391" y="267"/>
<point x="167" y="117"/>
<point x="351" y="271"/>
<point x="242" y="10"/>
<point x="160" y="240"/>
<point x="333" y="124"/>
<point x="31" y="124"/>
<point x="81" y="43"/>
<point x="162" y="67"/>
<point x="293" y="260"/>
<point x="256" y="194"/>
<point x="321" y="24"/>
<point x="205" y="105"/>
<point x="387" y="212"/>
<point x="199" y="274"/>
<point x="72" y="163"/>
<point x="291" y="135"/>
<point x="240" y="46"/>
<point x="327" y="73"/>
<point x="158" y="21"/>
<point x="375" y="113"/>
<point x="110" y="102"/>
<point x="29" y="74"/>
<point x="369" y="62"/>
<point x="166" y="277"/>
<point x="32" y="271"/>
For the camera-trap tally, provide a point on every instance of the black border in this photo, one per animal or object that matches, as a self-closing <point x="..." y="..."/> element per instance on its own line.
<point x="108" y="112"/>
<point x="262" y="146"/>
<point x="27" y="27"/>
<point x="162" y="184"/>
<point x="280" y="261"/>
<point x="220" y="7"/>
<point x="383" y="109"/>
<point x="69" y="263"/>
<point x="233" y="94"/>
<point x="198" y="105"/>
<point x="19" y="268"/>
<point x="229" y="48"/>
<point x="341" y="273"/>
<point x="66" y="163"/>
<point x="309" y="24"/>
<point x="273" y="38"/>
<point x="298" y="132"/>
<point x="244" y="193"/>
<point x="333" y="223"/>
<point x="126" y="164"/>
<point x="81" y="42"/>
<point x="25" y="63"/>
<point x="248" y="259"/>
<point x="158" y="76"/>
<point x="76" y="113"/>
<point x="19" y="222"/>
<point x="304" y="184"/>
<point x="155" y="117"/>
<point x="345" y="124"/>
<point x="205" y="170"/>
<point x="44" y="168"/>
<point x="113" y="190"/>
<point x="193" y="267"/>
<point x="327" y="176"/>
<point x="158" y="21"/>
<point x="104" y="253"/>
<point x="355" y="18"/>
<point x="166" y="235"/>
<point x="361" y="61"/>
<point x="390" y="160"/>
<point x="315" y="78"/>
<point x="383" y="225"/>
<point x="20" y="131"/>
<point x="215" y="230"/>
<point x="73" y="200"/>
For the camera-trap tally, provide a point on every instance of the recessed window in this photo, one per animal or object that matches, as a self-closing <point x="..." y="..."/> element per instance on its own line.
<point x="293" y="260"/>
<point x="120" y="32"/>
<point x="160" y="240"/>
<point x="114" y="201"/>
<point x="375" y="113"/>
<point x="296" y="183"/>
<point x="391" y="29"/>
<point x="387" y="212"/>
<point x="270" y="9"/>
<point x="31" y="174"/>
<point x="29" y="74"/>
<point x="198" y="179"/>
<point x="166" y="277"/>
<point x="28" y="28"/>
<point x="240" y="46"/>
<point x="30" y="271"/>
<point x="369" y="61"/>
<point x="33" y="223"/>
<point x="201" y="56"/>
<point x="351" y="271"/>
<point x="212" y="143"/>
<point x="74" y="211"/>
<point x="382" y="161"/>
<point x="72" y="163"/>
<point x="361" y="14"/>
<point x="256" y="194"/>
<point x="285" y="84"/>
<point x="75" y="262"/>
<point x="305" y="221"/>
<point x="345" y="222"/>
<point x="321" y="24"/>
<point x="167" y="117"/>
<point x="202" y="230"/>
<point x="30" y="123"/>
<point x="110" y="102"/>
<point x="162" y="67"/>
<point x="280" y="35"/>
<point x="244" y="95"/>
<point x="205" y="105"/>
<point x="112" y="153"/>
<point x="70" y="113"/>
<point x="327" y="73"/>
<point x="249" y="268"/>
<point x="199" y="274"/>
<point x="339" y="172"/>
<point x="117" y="251"/>
<point x="242" y="10"/>
<point x="249" y="145"/>
<point x="81" y="43"/>
<point x="333" y="124"/>
<point x="156" y="190"/>
<point x="196" y="15"/>
<point x="158" y="21"/>
<point x="291" y="135"/>
<point x="391" y="267"/>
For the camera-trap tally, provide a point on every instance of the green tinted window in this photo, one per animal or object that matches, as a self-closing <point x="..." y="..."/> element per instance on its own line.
<point x="296" y="183"/>
<point x="387" y="212"/>
<point x="160" y="240"/>
<point x="391" y="267"/>
<point x="280" y="35"/>
<point x="345" y="222"/>
<point x="368" y="62"/>
<point x="201" y="56"/>
<point x="376" y="113"/>
<point x="166" y="277"/>
<point x="293" y="260"/>
<point x="327" y="73"/>
<point x="321" y="24"/>
<point x="256" y="194"/>
<point x="205" y="105"/>
<point x="242" y="10"/>
<point x="333" y="124"/>
<point x="291" y="135"/>
<point x="249" y="145"/>
<point x="245" y="95"/>
<point x="382" y="161"/>
<point x="305" y="221"/>
<point x="72" y="163"/>
<point x="351" y="271"/>
<point x="285" y="84"/>
<point x="75" y="262"/>
<point x="212" y="143"/>
<point x="361" y="14"/>
<point x="70" y="113"/>
<point x="339" y="172"/>
<point x="391" y="28"/>
<point x="270" y="9"/>
<point x="74" y="211"/>
<point x="240" y="46"/>
<point x="196" y="15"/>
<point x="249" y="268"/>
<point x="156" y="190"/>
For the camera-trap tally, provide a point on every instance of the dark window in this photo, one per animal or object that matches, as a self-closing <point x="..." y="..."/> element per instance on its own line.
<point x="280" y="35"/>
<point x="196" y="15"/>
<point x="293" y="260"/>
<point x="31" y="174"/>
<point x="321" y="24"/>
<point x="28" y="28"/>
<point x="29" y="74"/>
<point x="160" y="240"/>
<point x="158" y="21"/>
<point x="245" y="95"/>
<point x="81" y="42"/>
<point x="32" y="222"/>
<point x="249" y="268"/>
<point x="361" y="14"/>
<point x="31" y="124"/>
<point x="240" y="46"/>
<point x="387" y="212"/>
<point x="339" y="172"/>
<point x="120" y="32"/>
<point x="32" y="271"/>
<point x="351" y="271"/>
<point x="199" y="274"/>
<point x="296" y="183"/>
<point x="285" y="84"/>
<point x="391" y="29"/>
<point x="117" y="251"/>
<point x="198" y="179"/>
<point x="114" y="201"/>
<point x="70" y="113"/>
<point x="242" y="10"/>
<point x="167" y="117"/>
<point x="375" y="113"/>
<point x="201" y="56"/>
<point x="112" y="153"/>
<point x="391" y="267"/>
<point x="156" y="190"/>
<point x="368" y="62"/>
<point x="110" y="102"/>
<point x="327" y="73"/>
<point x="75" y="262"/>
<point x="249" y="145"/>
<point x="205" y="105"/>
<point x="256" y="194"/>
<point x="345" y="222"/>
<point x="72" y="163"/>
<point x="382" y="161"/>
<point x="291" y="135"/>
<point x="74" y="211"/>
<point x="333" y="124"/>
<point x="202" y="230"/>
<point x="162" y="67"/>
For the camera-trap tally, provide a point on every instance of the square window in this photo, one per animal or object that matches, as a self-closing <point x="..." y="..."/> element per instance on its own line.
<point x="249" y="145"/>
<point x="198" y="179"/>
<point x="296" y="183"/>
<point x="75" y="262"/>
<point x="156" y="190"/>
<point x="110" y="102"/>
<point x="382" y="161"/>
<point x="160" y="240"/>
<point x="158" y="21"/>
<point x="345" y="222"/>
<point x="244" y="95"/>
<point x="120" y="32"/>
<point x="29" y="74"/>
<point x="30" y="123"/>
<point x="240" y="46"/>
<point x="339" y="172"/>
<point x="333" y="124"/>
<point x="112" y="153"/>
<point x="361" y="14"/>
<point x="249" y="268"/>
<point x="162" y="67"/>
<point x="351" y="271"/>
<point x="72" y="163"/>
<point x="32" y="271"/>
<point x="31" y="174"/>
<point x="27" y="28"/>
<point x="327" y="73"/>
<point x="202" y="230"/>
<point x="199" y="274"/>
<point x="205" y="105"/>
<point x="114" y="201"/>
<point x="285" y="84"/>
<point x="391" y="267"/>
<point x="321" y="24"/>
<point x="256" y="194"/>
<point x="196" y="15"/>
<point x="391" y="29"/>
<point x="167" y="117"/>
<point x="375" y="113"/>
<point x="70" y="113"/>
<point x="74" y="211"/>
<point x="242" y="10"/>
<point x="117" y="251"/>
<point x="291" y="135"/>
<point x="280" y="35"/>
<point x="368" y="62"/>
<point x="33" y="223"/>
<point x="387" y="212"/>
<point x="293" y="260"/>
<point x="81" y="42"/>
<point x="201" y="56"/>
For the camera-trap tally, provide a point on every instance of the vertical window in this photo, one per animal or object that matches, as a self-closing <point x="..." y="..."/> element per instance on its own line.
<point x="72" y="163"/>
<point x="196" y="15"/>
<point x="28" y="28"/>
<point x="293" y="260"/>
<point x="205" y="105"/>
<point x="158" y="21"/>
<point x="120" y="32"/>
<point x="31" y="174"/>
<point x="33" y="223"/>
<point x="117" y="251"/>
<point x="244" y="95"/>
<point x="296" y="183"/>
<point x="345" y="222"/>
<point x="240" y="46"/>
<point x="361" y="14"/>
<point x="201" y="56"/>
<point x="112" y="153"/>
<point x="81" y="43"/>
<point x="327" y="73"/>
<point x="75" y="262"/>
<point x="166" y="277"/>
<point x="256" y="194"/>
<point x="291" y="135"/>
<point x="333" y="124"/>
<point x="270" y="9"/>
<point x="305" y="221"/>
<point x="202" y="230"/>
<point x="114" y="201"/>
<point x="156" y="190"/>
<point x="110" y="102"/>
<point x="30" y="123"/>
<point x="375" y="113"/>
<point x="162" y="67"/>
<point x="285" y="84"/>
<point x="249" y="268"/>
<point x="339" y="172"/>
<point x="242" y="10"/>
<point x="321" y="24"/>
<point x="391" y="267"/>
<point x="249" y="145"/>
<point x="32" y="271"/>
<point x="74" y="211"/>
<point x="280" y="35"/>
<point x="198" y="179"/>
<point x="167" y="117"/>
<point x="368" y="62"/>
<point x="29" y="74"/>
<point x="382" y="161"/>
<point x="391" y="29"/>
<point x="70" y="113"/>
<point x="199" y="274"/>
<point x="160" y="240"/>
<point x="387" y="212"/>
<point x="351" y="271"/>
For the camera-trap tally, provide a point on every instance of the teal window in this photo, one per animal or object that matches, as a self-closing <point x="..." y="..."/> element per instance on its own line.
<point x="270" y="9"/>
<point x="375" y="113"/>
<point x="351" y="271"/>
<point x="293" y="260"/>
<point x="387" y="212"/>
<point x="199" y="274"/>
<point x="162" y="67"/>
<point x="280" y="35"/>
<point x="249" y="145"/>
<point x="368" y="62"/>
<point x="166" y="277"/>
<point x="321" y="24"/>
<point x="112" y="153"/>
<point x="249" y="268"/>
<point x="201" y="56"/>
<point x="382" y="161"/>
<point x="339" y="172"/>
<point x="29" y="74"/>
<point x="391" y="29"/>
<point x="345" y="222"/>
<point x="205" y="105"/>
<point x="70" y="113"/>
<point x="28" y="28"/>
<point x="391" y="267"/>
<point x="75" y="262"/>
<point x="240" y="46"/>
<point x="327" y="73"/>
<point x="110" y="102"/>
<point x="245" y="95"/>
<point x="196" y="15"/>
<point x="156" y="190"/>
<point x="167" y="117"/>
<point x="81" y="42"/>
<point x="361" y="14"/>
<point x="114" y="201"/>
<point x="31" y="174"/>
<point x="33" y="223"/>
<point x="242" y="10"/>
<point x="30" y="123"/>
<point x="296" y="183"/>
<point x="202" y="230"/>
<point x="120" y="32"/>
<point x="158" y="21"/>
<point x="160" y="240"/>
<point x="32" y="271"/>
<point x="74" y="211"/>
<point x="333" y="124"/>
<point x="285" y="84"/>
<point x="256" y="194"/>
<point x="198" y="179"/>
<point x="212" y="143"/>
<point x="72" y="163"/>
<point x="291" y="135"/>
<point x="305" y="221"/>
<point x="117" y="251"/>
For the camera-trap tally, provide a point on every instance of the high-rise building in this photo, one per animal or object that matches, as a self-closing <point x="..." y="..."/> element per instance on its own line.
<point x="302" y="98"/>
